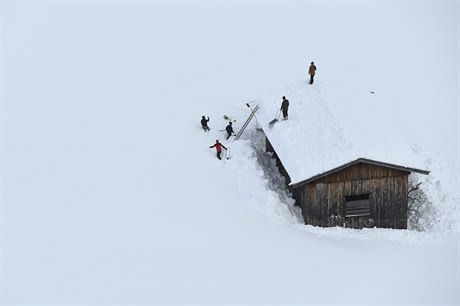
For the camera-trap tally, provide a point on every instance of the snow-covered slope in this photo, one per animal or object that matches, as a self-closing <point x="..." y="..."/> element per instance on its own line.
<point x="331" y="125"/>
<point x="115" y="205"/>
<point x="110" y="194"/>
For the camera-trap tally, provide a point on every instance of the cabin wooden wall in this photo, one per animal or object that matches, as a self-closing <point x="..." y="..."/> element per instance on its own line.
<point x="323" y="201"/>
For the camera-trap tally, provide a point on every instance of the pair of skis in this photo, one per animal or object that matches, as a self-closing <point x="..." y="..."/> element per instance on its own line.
<point x="253" y="112"/>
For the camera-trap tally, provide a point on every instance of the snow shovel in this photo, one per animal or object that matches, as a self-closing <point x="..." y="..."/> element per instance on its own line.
<point x="271" y="123"/>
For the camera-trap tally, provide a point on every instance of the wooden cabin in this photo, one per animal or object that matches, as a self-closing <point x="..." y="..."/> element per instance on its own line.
<point x="362" y="193"/>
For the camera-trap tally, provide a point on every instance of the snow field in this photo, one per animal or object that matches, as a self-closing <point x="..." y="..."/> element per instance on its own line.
<point x="151" y="216"/>
<point x="111" y="195"/>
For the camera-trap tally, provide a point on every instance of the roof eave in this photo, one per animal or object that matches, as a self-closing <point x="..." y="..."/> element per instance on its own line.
<point x="357" y="161"/>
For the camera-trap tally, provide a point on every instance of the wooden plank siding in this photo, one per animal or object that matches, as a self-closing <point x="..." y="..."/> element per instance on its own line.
<point x="323" y="201"/>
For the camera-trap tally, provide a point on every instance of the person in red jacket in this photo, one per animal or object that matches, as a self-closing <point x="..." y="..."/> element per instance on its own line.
<point x="218" y="147"/>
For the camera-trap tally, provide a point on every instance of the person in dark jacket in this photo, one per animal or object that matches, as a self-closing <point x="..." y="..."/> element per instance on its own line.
<point x="285" y="107"/>
<point x="204" y="123"/>
<point x="229" y="130"/>
<point x="218" y="147"/>
<point x="311" y="72"/>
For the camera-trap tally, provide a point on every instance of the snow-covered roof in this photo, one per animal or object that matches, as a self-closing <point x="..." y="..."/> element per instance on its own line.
<point x="331" y="125"/>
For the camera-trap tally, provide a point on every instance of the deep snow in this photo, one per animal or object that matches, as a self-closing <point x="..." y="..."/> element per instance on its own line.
<point x="330" y="125"/>
<point x="111" y="195"/>
<point x="124" y="211"/>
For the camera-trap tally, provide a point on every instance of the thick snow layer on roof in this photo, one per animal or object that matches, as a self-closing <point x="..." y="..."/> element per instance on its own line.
<point x="331" y="125"/>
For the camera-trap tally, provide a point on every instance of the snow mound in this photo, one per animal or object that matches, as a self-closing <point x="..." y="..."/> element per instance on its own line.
<point x="331" y="125"/>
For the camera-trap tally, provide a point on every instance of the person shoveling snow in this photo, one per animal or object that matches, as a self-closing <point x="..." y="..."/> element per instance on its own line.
<point x="284" y="108"/>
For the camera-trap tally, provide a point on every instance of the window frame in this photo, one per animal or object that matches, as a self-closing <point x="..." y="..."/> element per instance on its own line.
<point x="359" y="209"/>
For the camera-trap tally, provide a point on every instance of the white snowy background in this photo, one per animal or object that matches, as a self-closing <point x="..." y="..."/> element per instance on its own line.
<point x="110" y="195"/>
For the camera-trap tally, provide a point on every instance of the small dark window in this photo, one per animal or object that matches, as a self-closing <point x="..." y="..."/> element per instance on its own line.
<point x="357" y="205"/>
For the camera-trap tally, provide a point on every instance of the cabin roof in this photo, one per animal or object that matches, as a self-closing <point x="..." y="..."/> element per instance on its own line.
<point x="330" y="127"/>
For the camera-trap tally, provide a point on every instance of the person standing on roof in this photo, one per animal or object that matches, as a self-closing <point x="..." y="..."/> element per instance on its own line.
<point x="218" y="147"/>
<point x="204" y="123"/>
<point x="229" y="130"/>
<point x="285" y="107"/>
<point x="311" y="72"/>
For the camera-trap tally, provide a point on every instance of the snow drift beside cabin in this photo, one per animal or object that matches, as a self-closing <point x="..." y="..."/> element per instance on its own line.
<point x="331" y="125"/>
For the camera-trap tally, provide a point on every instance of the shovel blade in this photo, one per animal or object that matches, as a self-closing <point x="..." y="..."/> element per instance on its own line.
<point x="271" y="123"/>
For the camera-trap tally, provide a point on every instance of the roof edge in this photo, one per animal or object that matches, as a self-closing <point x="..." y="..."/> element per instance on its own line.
<point x="357" y="161"/>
